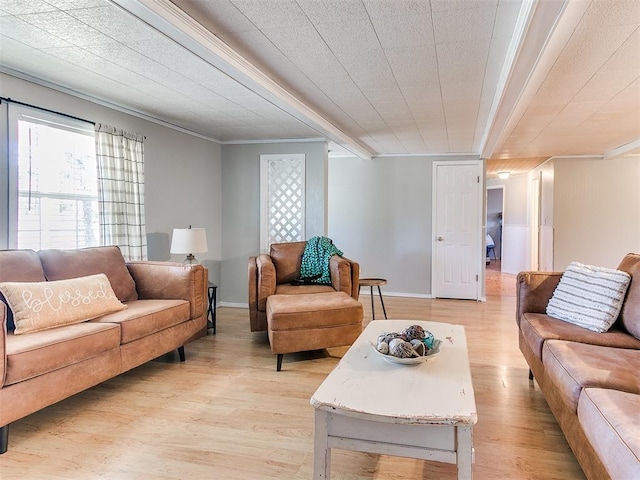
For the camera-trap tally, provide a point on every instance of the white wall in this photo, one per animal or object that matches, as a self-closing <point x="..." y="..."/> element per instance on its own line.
<point x="380" y="216"/>
<point x="596" y="210"/>
<point x="182" y="172"/>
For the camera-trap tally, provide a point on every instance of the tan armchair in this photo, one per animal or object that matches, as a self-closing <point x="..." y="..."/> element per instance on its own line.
<point x="272" y="274"/>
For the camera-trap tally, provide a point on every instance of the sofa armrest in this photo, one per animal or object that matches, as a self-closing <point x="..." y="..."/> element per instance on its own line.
<point x="345" y="275"/>
<point x="3" y="343"/>
<point x="534" y="290"/>
<point x="175" y="281"/>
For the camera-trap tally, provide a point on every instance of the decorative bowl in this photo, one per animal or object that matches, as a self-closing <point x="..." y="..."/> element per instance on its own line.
<point x="411" y="360"/>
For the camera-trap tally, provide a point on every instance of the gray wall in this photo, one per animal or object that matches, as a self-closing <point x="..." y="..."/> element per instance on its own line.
<point x="241" y="206"/>
<point x="182" y="172"/>
<point x="380" y="216"/>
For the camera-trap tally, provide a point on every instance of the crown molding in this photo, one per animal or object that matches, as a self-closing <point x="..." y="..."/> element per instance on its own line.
<point x="465" y="156"/>
<point x="624" y="149"/>
<point x="572" y="157"/>
<point x="275" y="140"/>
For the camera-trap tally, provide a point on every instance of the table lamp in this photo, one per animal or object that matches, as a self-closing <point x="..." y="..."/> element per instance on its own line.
<point x="189" y="241"/>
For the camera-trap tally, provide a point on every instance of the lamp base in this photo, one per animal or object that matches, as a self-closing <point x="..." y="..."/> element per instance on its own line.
<point x="191" y="260"/>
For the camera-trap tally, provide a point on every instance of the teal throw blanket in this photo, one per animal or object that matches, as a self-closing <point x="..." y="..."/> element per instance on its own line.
<point x="315" y="260"/>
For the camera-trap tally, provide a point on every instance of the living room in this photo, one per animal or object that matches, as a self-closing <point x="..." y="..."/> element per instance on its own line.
<point x="379" y="212"/>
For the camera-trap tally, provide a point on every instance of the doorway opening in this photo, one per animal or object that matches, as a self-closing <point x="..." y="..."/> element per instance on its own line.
<point x="495" y="209"/>
<point x="497" y="283"/>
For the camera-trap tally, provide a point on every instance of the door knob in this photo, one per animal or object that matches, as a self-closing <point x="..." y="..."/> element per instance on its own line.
<point x="440" y="239"/>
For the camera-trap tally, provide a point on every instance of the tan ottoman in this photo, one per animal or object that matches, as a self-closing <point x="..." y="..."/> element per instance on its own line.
<point x="312" y="321"/>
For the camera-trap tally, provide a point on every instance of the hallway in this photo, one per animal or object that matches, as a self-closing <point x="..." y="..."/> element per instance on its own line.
<point x="498" y="283"/>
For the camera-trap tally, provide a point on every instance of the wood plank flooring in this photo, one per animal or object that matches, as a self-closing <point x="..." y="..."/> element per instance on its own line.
<point x="227" y="414"/>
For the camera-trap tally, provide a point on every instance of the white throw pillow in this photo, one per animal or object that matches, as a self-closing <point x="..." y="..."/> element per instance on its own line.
<point x="588" y="296"/>
<point x="40" y="306"/>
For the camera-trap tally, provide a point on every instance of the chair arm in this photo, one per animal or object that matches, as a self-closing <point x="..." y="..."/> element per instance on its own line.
<point x="266" y="279"/>
<point x="175" y="281"/>
<point x="534" y="290"/>
<point x="345" y="275"/>
<point x="252" y="276"/>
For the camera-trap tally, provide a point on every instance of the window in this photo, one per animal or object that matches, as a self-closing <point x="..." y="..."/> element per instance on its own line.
<point x="53" y="181"/>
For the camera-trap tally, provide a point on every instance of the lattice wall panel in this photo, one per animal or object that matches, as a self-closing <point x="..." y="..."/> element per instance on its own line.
<point x="286" y="200"/>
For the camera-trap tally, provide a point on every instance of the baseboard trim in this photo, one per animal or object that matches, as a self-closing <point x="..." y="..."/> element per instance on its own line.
<point x="233" y="305"/>
<point x="367" y="292"/>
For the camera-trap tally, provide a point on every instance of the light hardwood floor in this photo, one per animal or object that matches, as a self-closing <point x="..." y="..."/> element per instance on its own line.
<point x="227" y="414"/>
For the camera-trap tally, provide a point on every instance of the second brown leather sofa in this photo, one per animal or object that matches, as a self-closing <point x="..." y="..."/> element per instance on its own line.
<point x="590" y="380"/>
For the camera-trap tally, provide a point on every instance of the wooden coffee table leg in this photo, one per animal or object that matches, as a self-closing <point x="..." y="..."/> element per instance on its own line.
<point x="321" y="450"/>
<point x="464" y="452"/>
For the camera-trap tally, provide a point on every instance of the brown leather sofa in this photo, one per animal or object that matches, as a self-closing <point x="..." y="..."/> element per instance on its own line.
<point x="272" y="274"/>
<point x="166" y="308"/>
<point x="590" y="380"/>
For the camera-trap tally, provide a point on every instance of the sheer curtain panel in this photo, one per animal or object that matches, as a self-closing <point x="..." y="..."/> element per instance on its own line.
<point x="120" y="158"/>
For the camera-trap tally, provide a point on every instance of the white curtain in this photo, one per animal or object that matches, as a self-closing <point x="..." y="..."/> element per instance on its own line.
<point x="120" y="157"/>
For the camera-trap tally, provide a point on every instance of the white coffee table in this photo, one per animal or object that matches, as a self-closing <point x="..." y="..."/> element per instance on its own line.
<point x="424" y="411"/>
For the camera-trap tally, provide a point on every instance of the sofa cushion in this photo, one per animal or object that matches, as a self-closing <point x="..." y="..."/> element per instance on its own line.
<point x="287" y="258"/>
<point x="312" y="321"/>
<point x="572" y="366"/>
<point x="19" y="266"/>
<point x="589" y="296"/>
<point x="611" y="422"/>
<point x="538" y="327"/>
<point x="144" y="317"/>
<point x="630" y="313"/>
<point x="39" y="306"/>
<point x="39" y="353"/>
<point x="63" y="264"/>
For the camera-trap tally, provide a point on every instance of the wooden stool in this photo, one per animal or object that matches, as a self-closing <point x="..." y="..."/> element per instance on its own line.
<point x="374" y="282"/>
<point x="311" y="321"/>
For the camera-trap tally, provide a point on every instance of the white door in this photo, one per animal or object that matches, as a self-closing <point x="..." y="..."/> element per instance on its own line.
<point x="457" y="244"/>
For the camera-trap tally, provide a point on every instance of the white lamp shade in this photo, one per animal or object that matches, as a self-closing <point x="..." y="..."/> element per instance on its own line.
<point x="189" y="240"/>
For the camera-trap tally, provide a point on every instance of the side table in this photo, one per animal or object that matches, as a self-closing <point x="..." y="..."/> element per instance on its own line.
<point x="374" y="282"/>
<point x="211" y="311"/>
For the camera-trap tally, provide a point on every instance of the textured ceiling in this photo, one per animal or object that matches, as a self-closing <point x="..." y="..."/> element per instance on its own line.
<point x="402" y="77"/>
<point x="382" y="76"/>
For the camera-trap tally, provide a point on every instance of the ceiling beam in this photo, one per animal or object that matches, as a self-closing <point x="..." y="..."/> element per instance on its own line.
<point x="167" y="18"/>
<point x="544" y="31"/>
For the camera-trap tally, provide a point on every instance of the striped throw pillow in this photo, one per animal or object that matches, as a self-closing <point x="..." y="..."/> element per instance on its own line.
<point x="590" y="297"/>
